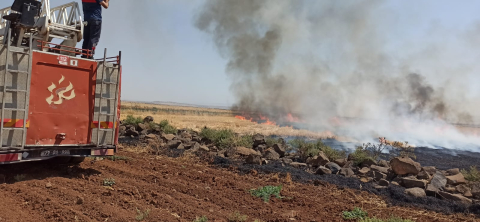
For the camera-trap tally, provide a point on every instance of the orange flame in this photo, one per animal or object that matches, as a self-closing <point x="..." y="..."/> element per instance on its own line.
<point x="241" y="117"/>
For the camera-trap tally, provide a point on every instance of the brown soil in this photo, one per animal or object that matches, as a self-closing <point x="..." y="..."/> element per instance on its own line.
<point x="175" y="190"/>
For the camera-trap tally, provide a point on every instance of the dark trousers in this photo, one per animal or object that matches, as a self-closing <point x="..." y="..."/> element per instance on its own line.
<point x="91" y="36"/>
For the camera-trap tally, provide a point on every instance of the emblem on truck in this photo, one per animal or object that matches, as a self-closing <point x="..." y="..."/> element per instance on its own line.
<point x="60" y="92"/>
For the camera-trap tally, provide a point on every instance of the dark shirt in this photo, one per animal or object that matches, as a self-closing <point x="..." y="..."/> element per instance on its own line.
<point x="92" y="10"/>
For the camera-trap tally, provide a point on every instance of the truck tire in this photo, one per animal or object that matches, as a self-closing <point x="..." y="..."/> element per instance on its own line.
<point x="77" y="160"/>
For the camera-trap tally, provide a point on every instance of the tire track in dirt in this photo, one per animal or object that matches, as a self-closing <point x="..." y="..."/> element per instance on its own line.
<point x="175" y="190"/>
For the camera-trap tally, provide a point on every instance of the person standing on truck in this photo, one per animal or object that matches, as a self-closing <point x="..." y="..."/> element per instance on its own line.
<point x="92" y="11"/>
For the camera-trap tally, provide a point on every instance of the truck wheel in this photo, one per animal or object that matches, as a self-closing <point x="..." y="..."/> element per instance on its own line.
<point x="77" y="159"/>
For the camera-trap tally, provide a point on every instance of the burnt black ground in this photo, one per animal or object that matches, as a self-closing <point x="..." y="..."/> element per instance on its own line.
<point x="394" y="195"/>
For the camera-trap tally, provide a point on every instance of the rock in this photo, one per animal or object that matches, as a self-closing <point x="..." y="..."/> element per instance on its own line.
<point x="271" y="155"/>
<point x="384" y="163"/>
<point x="261" y="148"/>
<point x="456" y="179"/>
<point x="173" y="144"/>
<point x="168" y="137"/>
<point x="151" y="136"/>
<point x="368" y="162"/>
<point x="254" y="159"/>
<point x="279" y="149"/>
<point x="80" y="200"/>
<point x="203" y="148"/>
<point x="476" y="190"/>
<point x="423" y="175"/>
<point x="379" y="169"/>
<point x="450" y="189"/>
<point x="196" y="139"/>
<point x="347" y="172"/>
<point x="383" y="182"/>
<point x="264" y="161"/>
<point x="287" y="160"/>
<point x="365" y="179"/>
<point x="181" y="146"/>
<point x="245" y="151"/>
<point x="131" y="132"/>
<point x="395" y="183"/>
<point x="148" y="119"/>
<point x="379" y="187"/>
<point x="430" y="170"/>
<point x="340" y="162"/>
<point x="335" y="168"/>
<point x="48" y="185"/>
<point x="364" y="171"/>
<point x="412" y="182"/>
<point x="416" y="192"/>
<point x="122" y="130"/>
<point x="431" y="190"/>
<point x="452" y="172"/>
<point x="319" y="160"/>
<point x="221" y="153"/>
<point x="143" y="133"/>
<point x="438" y="182"/>
<point x="258" y="139"/>
<point x="377" y="176"/>
<point x="298" y="165"/>
<point x="405" y="165"/>
<point x="141" y="127"/>
<point x="455" y="197"/>
<point x="323" y="170"/>
<point x="185" y="135"/>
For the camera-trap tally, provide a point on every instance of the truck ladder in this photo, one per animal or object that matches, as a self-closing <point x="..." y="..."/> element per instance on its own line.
<point x="25" y="51"/>
<point x="102" y="98"/>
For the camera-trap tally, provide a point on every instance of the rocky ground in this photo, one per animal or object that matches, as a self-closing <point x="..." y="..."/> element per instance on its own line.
<point x="400" y="179"/>
<point x="180" y="176"/>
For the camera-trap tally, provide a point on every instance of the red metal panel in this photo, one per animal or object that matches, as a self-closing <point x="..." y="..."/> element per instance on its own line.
<point x="9" y="157"/>
<point x="61" y="100"/>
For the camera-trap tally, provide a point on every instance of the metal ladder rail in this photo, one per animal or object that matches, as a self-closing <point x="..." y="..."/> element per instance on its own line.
<point x="117" y="86"/>
<point x="26" y="91"/>
<point x="101" y="97"/>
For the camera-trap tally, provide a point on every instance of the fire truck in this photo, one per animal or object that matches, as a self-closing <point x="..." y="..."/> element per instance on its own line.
<point x="54" y="103"/>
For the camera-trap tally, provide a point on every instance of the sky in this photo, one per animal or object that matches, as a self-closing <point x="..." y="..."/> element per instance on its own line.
<point x="166" y="58"/>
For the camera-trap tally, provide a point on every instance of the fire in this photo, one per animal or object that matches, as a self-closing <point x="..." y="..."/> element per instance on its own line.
<point x="241" y="117"/>
<point x="270" y="123"/>
<point x="291" y="118"/>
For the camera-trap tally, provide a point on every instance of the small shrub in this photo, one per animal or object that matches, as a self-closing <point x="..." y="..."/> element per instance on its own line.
<point x="471" y="175"/>
<point x="169" y="129"/>
<point x="130" y="120"/>
<point x="142" y="215"/>
<point x="270" y="141"/>
<point x="237" y="217"/>
<point x="266" y="192"/>
<point x="20" y="177"/>
<point x="163" y="123"/>
<point x="356" y="213"/>
<point x="224" y="138"/>
<point x="257" y="220"/>
<point x="115" y="158"/>
<point x="311" y="149"/>
<point x="109" y="182"/>
<point x="201" y="219"/>
<point x="245" y="141"/>
<point x="392" y="219"/>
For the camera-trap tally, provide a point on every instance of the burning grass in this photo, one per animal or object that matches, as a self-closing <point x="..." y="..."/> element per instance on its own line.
<point x="198" y="118"/>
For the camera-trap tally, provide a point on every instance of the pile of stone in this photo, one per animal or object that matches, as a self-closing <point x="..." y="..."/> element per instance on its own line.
<point x="400" y="171"/>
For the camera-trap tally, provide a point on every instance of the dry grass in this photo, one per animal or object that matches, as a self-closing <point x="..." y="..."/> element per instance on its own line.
<point x="197" y="118"/>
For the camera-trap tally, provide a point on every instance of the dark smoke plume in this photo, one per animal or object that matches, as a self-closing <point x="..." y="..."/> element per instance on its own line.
<point x="325" y="59"/>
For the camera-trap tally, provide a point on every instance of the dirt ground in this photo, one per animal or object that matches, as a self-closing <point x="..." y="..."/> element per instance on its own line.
<point x="174" y="189"/>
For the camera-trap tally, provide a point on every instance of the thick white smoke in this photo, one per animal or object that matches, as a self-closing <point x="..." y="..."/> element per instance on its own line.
<point x="325" y="59"/>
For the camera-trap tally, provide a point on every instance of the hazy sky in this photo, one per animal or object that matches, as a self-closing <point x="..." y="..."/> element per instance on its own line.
<point x="165" y="58"/>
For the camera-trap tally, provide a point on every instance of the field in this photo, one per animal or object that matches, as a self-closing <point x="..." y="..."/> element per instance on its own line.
<point x="197" y="118"/>
<point x="140" y="185"/>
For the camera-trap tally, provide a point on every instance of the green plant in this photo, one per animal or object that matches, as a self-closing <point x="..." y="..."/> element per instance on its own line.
<point x="142" y="215"/>
<point x="223" y="138"/>
<point x="471" y="175"/>
<point x="271" y="141"/>
<point x="166" y="127"/>
<point x="391" y="219"/>
<point x="201" y="219"/>
<point x="109" y="182"/>
<point x="311" y="149"/>
<point x="266" y="192"/>
<point x="237" y="217"/>
<point x="356" y="213"/>
<point x="20" y="177"/>
<point x="257" y="220"/>
<point x="131" y="120"/>
<point x="115" y="158"/>
<point x="245" y="141"/>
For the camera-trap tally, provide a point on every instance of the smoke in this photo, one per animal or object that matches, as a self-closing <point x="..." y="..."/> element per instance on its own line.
<point x="326" y="59"/>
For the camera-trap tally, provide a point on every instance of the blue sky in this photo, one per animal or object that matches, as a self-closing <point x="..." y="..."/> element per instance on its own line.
<point x="165" y="58"/>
